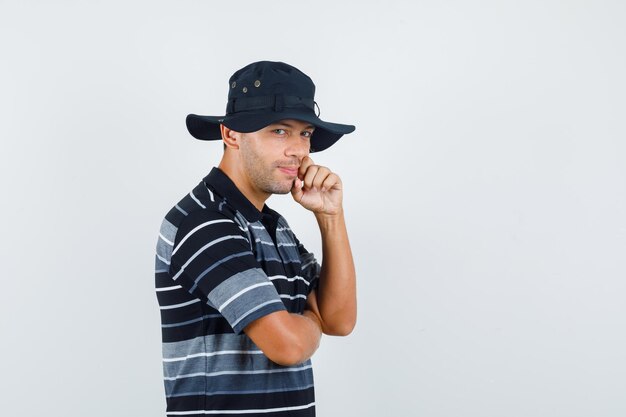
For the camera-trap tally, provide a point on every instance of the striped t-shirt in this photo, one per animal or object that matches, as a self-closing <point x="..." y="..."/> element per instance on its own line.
<point x="221" y="264"/>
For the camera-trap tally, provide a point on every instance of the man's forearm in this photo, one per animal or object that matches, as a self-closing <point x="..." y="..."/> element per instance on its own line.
<point x="286" y="338"/>
<point x="336" y="294"/>
<point x="306" y="332"/>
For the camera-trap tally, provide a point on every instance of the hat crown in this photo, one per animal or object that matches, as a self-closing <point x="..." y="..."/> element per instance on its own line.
<point x="263" y="93"/>
<point x="268" y="78"/>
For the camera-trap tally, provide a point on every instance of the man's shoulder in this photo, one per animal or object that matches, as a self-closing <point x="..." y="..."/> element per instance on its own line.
<point x="199" y="205"/>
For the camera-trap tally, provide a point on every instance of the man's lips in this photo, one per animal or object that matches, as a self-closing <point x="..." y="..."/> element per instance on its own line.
<point x="293" y="171"/>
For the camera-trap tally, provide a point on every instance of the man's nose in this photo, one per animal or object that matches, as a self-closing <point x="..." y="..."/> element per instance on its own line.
<point x="298" y="147"/>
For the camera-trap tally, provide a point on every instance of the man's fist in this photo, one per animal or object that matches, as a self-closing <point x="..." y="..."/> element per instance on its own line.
<point x="317" y="188"/>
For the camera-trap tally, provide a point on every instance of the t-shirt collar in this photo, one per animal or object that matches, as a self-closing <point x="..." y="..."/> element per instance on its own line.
<point x="226" y="188"/>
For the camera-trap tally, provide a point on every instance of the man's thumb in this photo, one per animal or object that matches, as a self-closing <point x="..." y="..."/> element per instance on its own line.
<point x="296" y="190"/>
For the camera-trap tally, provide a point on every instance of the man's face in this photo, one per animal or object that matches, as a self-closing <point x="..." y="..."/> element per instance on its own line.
<point x="271" y="156"/>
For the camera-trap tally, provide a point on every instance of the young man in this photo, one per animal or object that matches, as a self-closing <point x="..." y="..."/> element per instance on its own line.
<point x="243" y="304"/>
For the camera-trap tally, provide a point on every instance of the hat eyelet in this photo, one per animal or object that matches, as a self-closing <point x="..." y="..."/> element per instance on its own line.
<point x="245" y="89"/>
<point x="233" y="85"/>
<point x="257" y="83"/>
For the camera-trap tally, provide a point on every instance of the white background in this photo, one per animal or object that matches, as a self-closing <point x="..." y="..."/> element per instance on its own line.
<point x="485" y="194"/>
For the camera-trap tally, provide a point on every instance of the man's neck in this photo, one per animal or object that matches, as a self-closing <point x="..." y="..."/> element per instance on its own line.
<point x="256" y="197"/>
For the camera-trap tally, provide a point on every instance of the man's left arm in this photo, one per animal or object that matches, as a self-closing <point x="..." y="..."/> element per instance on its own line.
<point x="334" y="302"/>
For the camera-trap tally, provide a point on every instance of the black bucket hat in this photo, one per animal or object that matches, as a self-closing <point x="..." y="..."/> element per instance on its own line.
<point x="263" y="93"/>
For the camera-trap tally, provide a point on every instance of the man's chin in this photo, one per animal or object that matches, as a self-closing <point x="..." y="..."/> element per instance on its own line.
<point x="281" y="188"/>
<point x="283" y="191"/>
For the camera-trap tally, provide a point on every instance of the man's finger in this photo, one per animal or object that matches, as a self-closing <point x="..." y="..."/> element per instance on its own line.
<point x="304" y="165"/>
<point x="296" y="190"/>
<point x="320" y="177"/>
<point x="331" y="181"/>
<point x="309" y="176"/>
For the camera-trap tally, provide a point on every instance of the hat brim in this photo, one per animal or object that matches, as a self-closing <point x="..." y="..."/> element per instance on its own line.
<point x="208" y="127"/>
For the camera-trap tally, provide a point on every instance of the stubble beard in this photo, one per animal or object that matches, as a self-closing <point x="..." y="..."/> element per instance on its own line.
<point x="263" y="174"/>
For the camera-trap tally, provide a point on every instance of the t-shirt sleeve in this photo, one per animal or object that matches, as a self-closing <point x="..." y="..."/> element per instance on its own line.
<point x="213" y="260"/>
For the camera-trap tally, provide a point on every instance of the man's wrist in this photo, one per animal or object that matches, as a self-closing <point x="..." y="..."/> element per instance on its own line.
<point x="329" y="221"/>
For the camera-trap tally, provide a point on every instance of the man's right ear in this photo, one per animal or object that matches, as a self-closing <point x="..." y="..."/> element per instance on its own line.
<point x="230" y="137"/>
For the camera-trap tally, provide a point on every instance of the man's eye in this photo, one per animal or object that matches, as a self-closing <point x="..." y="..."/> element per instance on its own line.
<point x="307" y="134"/>
<point x="279" y="131"/>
